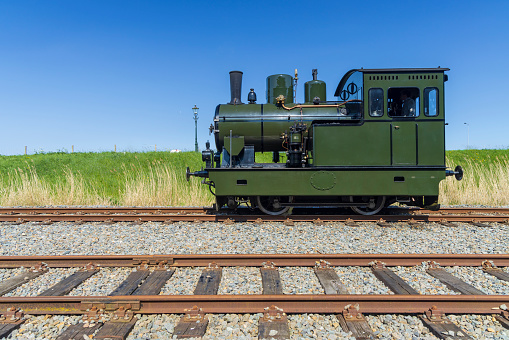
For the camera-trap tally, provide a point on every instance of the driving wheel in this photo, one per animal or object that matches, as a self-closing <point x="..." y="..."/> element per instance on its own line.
<point x="271" y="205"/>
<point x="371" y="210"/>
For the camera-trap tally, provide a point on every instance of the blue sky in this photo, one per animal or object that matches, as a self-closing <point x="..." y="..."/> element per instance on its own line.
<point x="95" y="74"/>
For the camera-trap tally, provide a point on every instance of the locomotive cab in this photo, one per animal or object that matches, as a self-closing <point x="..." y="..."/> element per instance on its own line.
<point x="381" y="141"/>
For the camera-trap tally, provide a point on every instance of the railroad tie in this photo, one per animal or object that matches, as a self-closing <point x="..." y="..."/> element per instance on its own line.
<point x="131" y="283"/>
<point x="271" y="281"/>
<point x="195" y="322"/>
<point x="329" y="279"/>
<point x="436" y="321"/>
<point x="116" y="330"/>
<point x="350" y="320"/>
<point x="65" y="286"/>
<point x="441" y="326"/>
<point x="79" y="331"/>
<point x="391" y="279"/>
<point x="490" y="268"/>
<point x="462" y="287"/>
<point x="193" y="325"/>
<point x="208" y="283"/>
<point x="154" y="282"/>
<point x="452" y="282"/>
<point x="274" y="323"/>
<point x="13" y="283"/>
<point x="139" y="282"/>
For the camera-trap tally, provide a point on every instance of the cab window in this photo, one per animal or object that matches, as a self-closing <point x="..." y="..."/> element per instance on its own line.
<point x="431" y="101"/>
<point x="376" y="102"/>
<point x="403" y="102"/>
<point x="352" y="87"/>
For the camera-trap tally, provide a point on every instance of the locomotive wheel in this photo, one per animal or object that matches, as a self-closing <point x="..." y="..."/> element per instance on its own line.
<point x="379" y="205"/>
<point x="271" y="205"/>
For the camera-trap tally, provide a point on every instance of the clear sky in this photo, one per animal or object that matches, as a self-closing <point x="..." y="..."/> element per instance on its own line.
<point x="98" y="73"/>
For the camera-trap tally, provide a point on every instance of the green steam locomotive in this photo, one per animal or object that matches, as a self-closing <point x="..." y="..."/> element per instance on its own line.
<point x="382" y="141"/>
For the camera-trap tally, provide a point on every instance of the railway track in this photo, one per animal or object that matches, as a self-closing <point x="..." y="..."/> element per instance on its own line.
<point x="115" y="314"/>
<point x="445" y="216"/>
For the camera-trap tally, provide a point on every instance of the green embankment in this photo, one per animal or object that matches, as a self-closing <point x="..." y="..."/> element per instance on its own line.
<point x="114" y="178"/>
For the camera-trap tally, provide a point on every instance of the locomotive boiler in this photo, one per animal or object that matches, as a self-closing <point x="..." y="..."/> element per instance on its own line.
<point x="381" y="141"/>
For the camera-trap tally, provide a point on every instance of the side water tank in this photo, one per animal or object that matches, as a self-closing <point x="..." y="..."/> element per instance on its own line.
<point x="315" y="89"/>
<point x="279" y="84"/>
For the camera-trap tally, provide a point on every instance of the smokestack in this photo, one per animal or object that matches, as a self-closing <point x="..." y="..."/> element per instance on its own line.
<point x="235" y="87"/>
<point x="315" y="74"/>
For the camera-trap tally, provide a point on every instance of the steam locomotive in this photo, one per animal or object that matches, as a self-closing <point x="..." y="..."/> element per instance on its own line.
<point x="382" y="141"/>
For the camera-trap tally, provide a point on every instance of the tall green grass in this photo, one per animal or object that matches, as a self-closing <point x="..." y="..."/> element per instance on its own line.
<point x="108" y="178"/>
<point x="158" y="178"/>
<point x="485" y="180"/>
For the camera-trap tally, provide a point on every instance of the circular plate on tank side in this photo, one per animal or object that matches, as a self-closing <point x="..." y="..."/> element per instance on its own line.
<point x="323" y="180"/>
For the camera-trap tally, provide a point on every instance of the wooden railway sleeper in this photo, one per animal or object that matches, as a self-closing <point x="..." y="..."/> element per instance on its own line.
<point x="441" y="326"/>
<point x="194" y="324"/>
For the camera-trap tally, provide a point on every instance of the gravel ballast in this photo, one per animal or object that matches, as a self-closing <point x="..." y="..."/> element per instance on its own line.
<point x="216" y="238"/>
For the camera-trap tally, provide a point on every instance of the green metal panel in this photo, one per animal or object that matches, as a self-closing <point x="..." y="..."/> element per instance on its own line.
<point x="234" y="145"/>
<point x="431" y="144"/>
<point x="321" y="182"/>
<point x="367" y="144"/>
<point x="404" y="144"/>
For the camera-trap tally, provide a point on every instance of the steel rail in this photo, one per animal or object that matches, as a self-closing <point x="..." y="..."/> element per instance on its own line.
<point x="194" y="210"/>
<point x="252" y="260"/>
<point x="105" y="210"/>
<point x="298" y="303"/>
<point x="250" y="218"/>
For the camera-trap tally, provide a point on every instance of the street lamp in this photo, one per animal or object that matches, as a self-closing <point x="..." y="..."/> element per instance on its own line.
<point x="468" y="134"/>
<point x="195" y="112"/>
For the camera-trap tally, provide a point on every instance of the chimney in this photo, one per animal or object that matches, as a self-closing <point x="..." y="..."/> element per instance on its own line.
<point x="235" y="87"/>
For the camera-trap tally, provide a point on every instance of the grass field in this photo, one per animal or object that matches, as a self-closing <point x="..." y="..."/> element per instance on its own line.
<point x="158" y="178"/>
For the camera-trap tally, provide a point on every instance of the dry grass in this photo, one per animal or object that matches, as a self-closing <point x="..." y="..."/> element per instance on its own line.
<point x="159" y="186"/>
<point x="26" y="188"/>
<point x="163" y="185"/>
<point x="482" y="184"/>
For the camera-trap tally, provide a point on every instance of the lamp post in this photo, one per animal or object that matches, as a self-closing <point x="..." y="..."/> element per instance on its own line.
<point x="195" y="112"/>
<point x="468" y="134"/>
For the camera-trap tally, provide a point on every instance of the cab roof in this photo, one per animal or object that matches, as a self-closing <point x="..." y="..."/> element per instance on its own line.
<point x="385" y="70"/>
<point x="399" y="70"/>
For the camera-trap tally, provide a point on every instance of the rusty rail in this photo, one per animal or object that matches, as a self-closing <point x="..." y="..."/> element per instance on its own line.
<point x="105" y="210"/>
<point x="252" y="260"/>
<point x="47" y="218"/>
<point x="210" y="210"/>
<point x="298" y="303"/>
